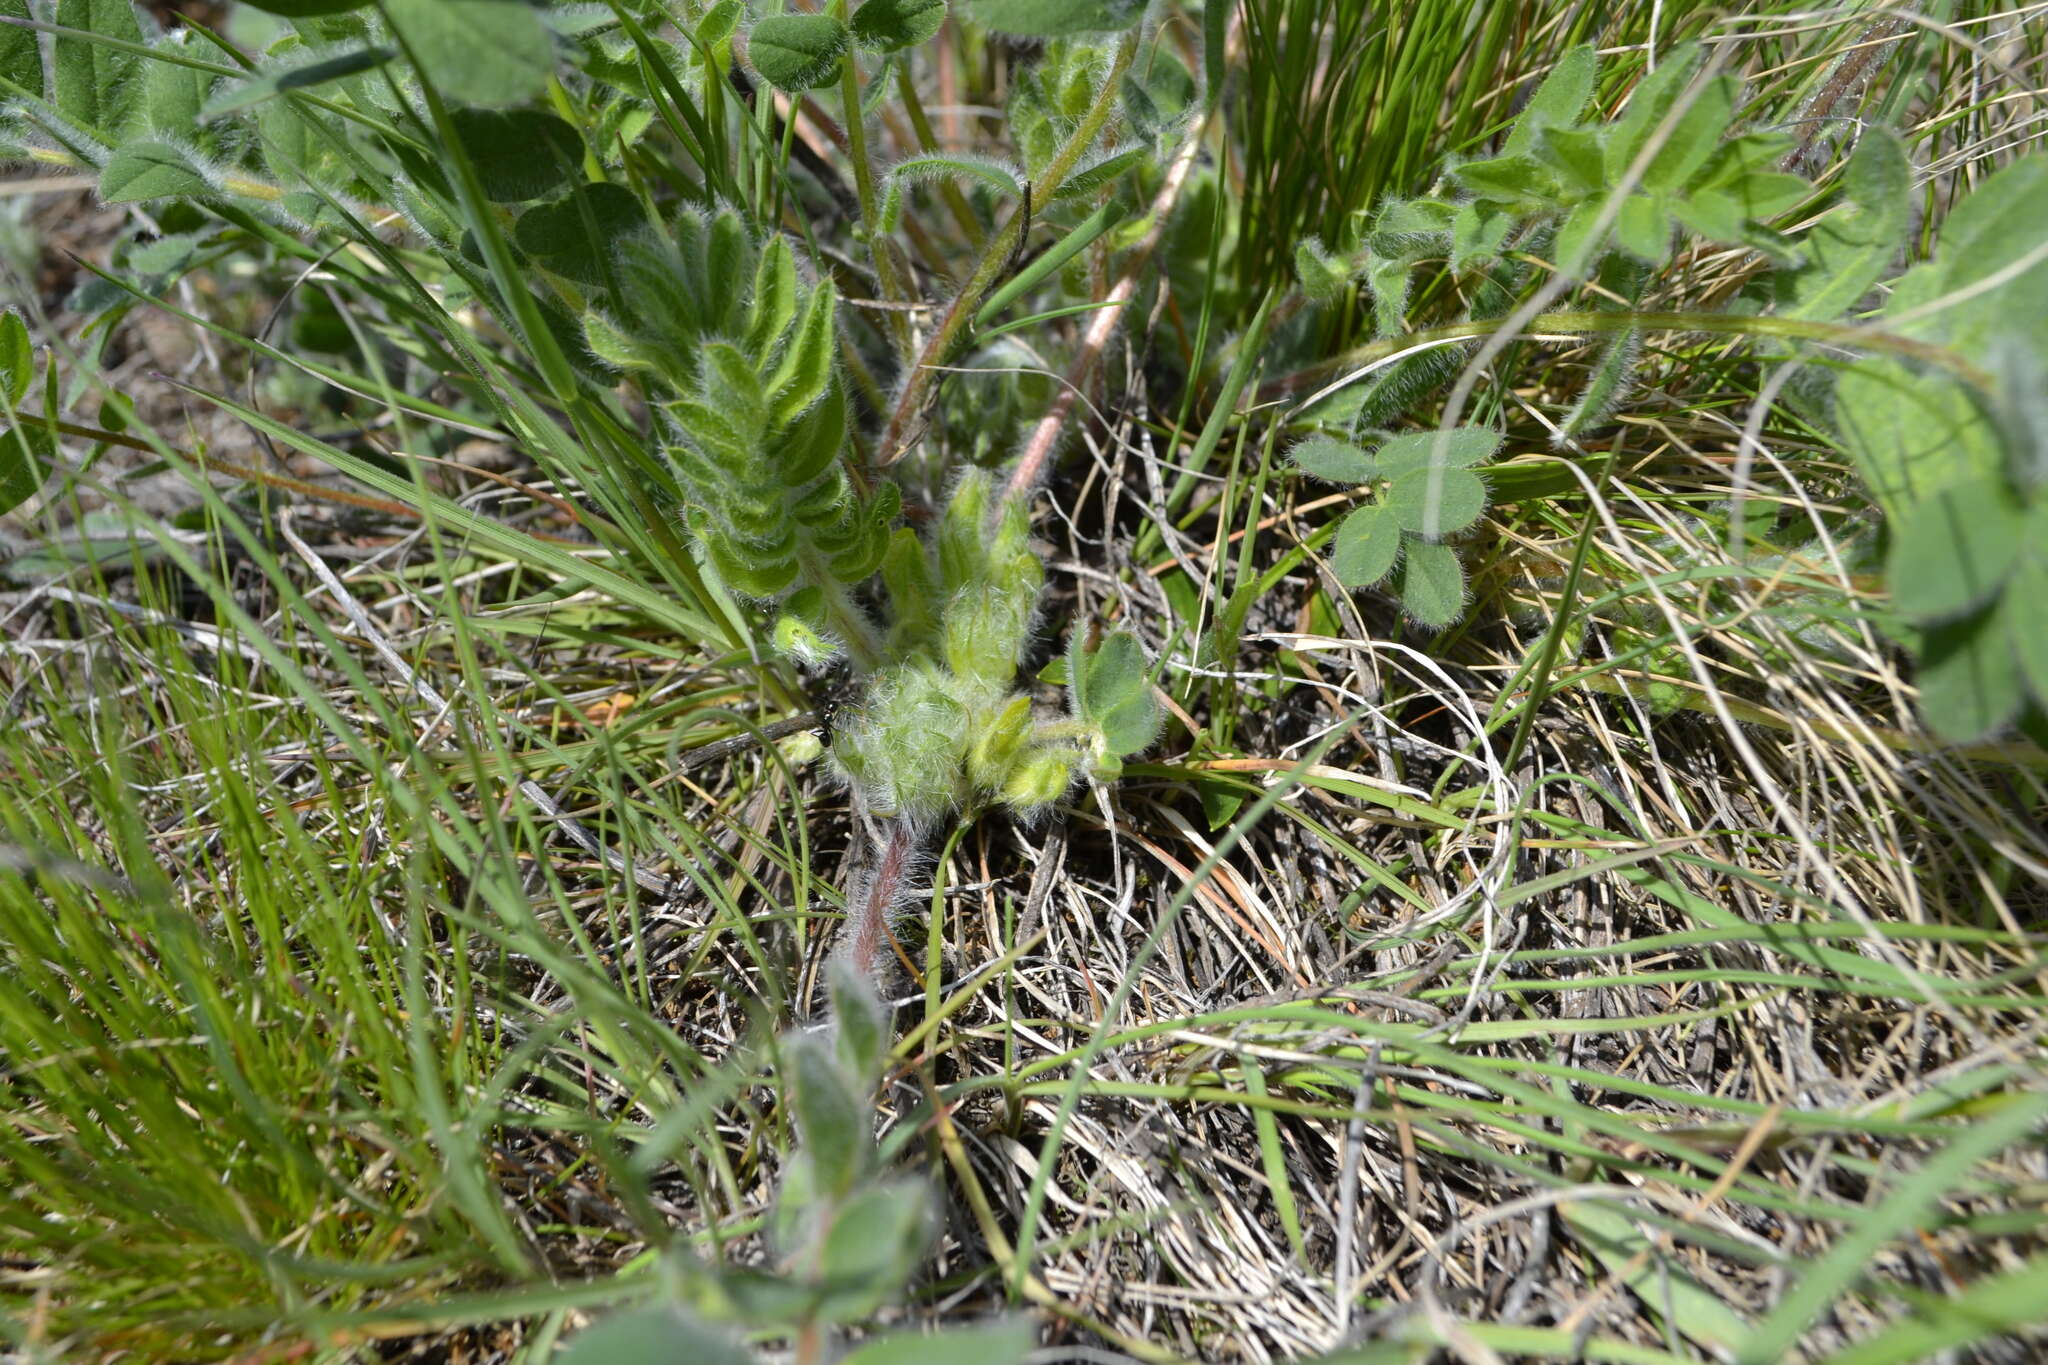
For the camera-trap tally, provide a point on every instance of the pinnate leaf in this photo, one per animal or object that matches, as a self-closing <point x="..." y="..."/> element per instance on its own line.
<point x="1324" y="457"/>
<point x="1368" y="542"/>
<point x="796" y="52"/>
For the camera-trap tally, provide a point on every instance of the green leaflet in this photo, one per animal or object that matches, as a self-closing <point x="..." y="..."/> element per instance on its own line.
<point x="797" y="52"/>
<point x="892" y="25"/>
<point x="92" y="84"/>
<point x="485" y="52"/>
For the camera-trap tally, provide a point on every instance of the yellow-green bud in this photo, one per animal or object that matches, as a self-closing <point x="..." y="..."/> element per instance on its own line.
<point x="1041" y="779"/>
<point x="992" y="752"/>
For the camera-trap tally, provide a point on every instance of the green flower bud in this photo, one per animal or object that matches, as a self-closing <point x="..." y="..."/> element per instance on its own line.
<point x="1041" y="779"/>
<point x="963" y="533"/>
<point x="993" y="751"/>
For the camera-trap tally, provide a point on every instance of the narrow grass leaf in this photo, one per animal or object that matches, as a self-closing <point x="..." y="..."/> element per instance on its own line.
<point x="1908" y="1207"/>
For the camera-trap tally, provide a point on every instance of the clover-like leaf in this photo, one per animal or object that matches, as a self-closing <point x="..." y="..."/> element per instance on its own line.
<point x="1644" y="229"/>
<point x="1325" y="457"/>
<point x="1951" y="552"/>
<point x="489" y="52"/>
<point x="798" y="52"/>
<point x="1367" y="545"/>
<point x="1432" y="584"/>
<point x="1507" y="179"/>
<point x="892" y="25"/>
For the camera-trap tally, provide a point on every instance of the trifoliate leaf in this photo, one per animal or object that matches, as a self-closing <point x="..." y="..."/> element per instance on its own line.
<point x="892" y="25"/>
<point x="1578" y="155"/>
<point x="1432" y="584"/>
<point x="1952" y="552"/>
<point x="797" y="52"/>
<point x="1507" y="179"/>
<point x="1324" y="457"/>
<point x="1368" y="542"/>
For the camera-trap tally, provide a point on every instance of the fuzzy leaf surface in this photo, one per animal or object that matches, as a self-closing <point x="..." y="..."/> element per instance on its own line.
<point x="650" y="1336"/>
<point x="797" y="52"/>
<point x="1436" y="501"/>
<point x="1324" y="457"/>
<point x="1432" y="584"/>
<point x="1458" y="448"/>
<point x="1367" y="545"/>
<point x="892" y="25"/>
<point x="150" y="169"/>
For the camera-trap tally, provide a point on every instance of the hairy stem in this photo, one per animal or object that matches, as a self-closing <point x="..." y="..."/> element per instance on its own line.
<point x="864" y="938"/>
